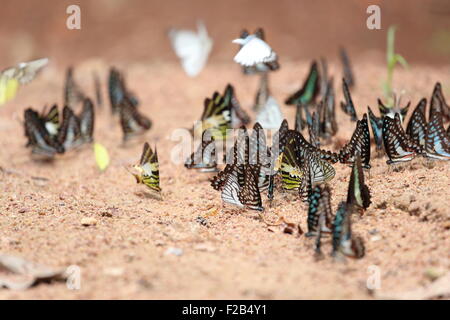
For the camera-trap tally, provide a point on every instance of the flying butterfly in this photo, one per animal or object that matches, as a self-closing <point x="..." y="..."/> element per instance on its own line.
<point x="204" y="158"/>
<point x="359" y="142"/>
<point x="238" y="115"/>
<point x="398" y="146"/>
<point x="12" y="77"/>
<point x="319" y="207"/>
<point x="348" y="106"/>
<point x="343" y="242"/>
<point x="417" y="124"/>
<point x="73" y="95"/>
<point x="259" y="67"/>
<point x="69" y="134"/>
<point x="390" y="112"/>
<point x="192" y="48"/>
<point x="148" y="169"/>
<point x="132" y="121"/>
<point x="86" y="118"/>
<point x="308" y="93"/>
<point x="39" y="139"/>
<point x="347" y="68"/>
<point x="358" y="193"/>
<point x="377" y="129"/>
<point x="241" y="187"/>
<point x="437" y="142"/>
<point x="255" y="51"/>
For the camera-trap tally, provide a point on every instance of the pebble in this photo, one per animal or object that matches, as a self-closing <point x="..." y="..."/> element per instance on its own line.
<point x="88" y="222"/>
<point x="174" y="251"/>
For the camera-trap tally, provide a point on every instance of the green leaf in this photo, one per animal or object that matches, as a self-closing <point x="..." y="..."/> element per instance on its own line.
<point x="101" y="156"/>
<point x="401" y="60"/>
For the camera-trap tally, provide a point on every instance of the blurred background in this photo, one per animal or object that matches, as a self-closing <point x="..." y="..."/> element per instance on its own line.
<point x="135" y="31"/>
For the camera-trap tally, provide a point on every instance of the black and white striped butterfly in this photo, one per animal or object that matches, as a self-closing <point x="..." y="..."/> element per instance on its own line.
<point x="319" y="205"/>
<point x="437" y="141"/>
<point x="359" y="142"/>
<point x="305" y="146"/>
<point x="205" y="158"/>
<point x="132" y="121"/>
<point x="327" y="112"/>
<point x="241" y="187"/>
<point x="377" y="129"/>
<point x="39" y="139"/>
<point x="438" y="103"/>
<point x="417" y="124"/>
<point x="314" y="129"/>
<point x="344" y="244"/>
<point x="358" y="193"/>
<point x="348" y="106"/>
<point x="398" y="146"/>
<point x="51" y="120"/>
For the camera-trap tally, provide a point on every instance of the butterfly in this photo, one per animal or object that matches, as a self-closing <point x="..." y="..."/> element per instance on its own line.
<point x="437" y="142"/>
<point x="132" y="121"/>
<point x="12" y="77"/>
<point x="86" y="118"/>
<point x="241" y="187"/>
<point x="73" y="95"/>
<point x="377" y="129"/>
<point x="308" y="93"/>
<point x="238" y="115"/>
<point x="39" y="139"/>
<point x="438" y="103"/>
<point x="270" y="116"/>
<point x="299" y="121"/>
<point x="69" y="134"/>
<point x="216" y="117"/>
<point x="192" y="48"/>
<point x="117" y="91"/>
<point x="398" y="146"/>
<point x="148" y="169"/>
<point x="390" y="112"/>
<point x="348" y="73"/>
<point x="358" y="193"/>
<point x="323" y="77"/>
<point x="327" y="112"/>
<point x="314" y="129"/>
<point x="97" y="89"/>
<point x="417" y="124"/>
<point x="254" y="51"/>
<point x="359" y="142"/>
<point x="319" y="207"/>
<point x="205" y="157"/>
<point x="348" y="106"/>
<point x="51" y="120"/>
<point x="260" y="67"/>
<point x="343" y="242"/>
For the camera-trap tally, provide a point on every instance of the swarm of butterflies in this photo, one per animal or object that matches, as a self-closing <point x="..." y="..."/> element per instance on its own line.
<point x="291" y="163"/>
<point x="294" y="163"/>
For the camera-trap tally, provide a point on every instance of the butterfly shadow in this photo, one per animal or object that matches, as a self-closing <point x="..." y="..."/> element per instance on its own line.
<point x="148" y="195"/>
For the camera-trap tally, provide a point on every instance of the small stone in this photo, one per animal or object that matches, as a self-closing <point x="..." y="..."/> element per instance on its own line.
<point x="174" y="251"/>
<point x="433" y="274"/>
<point x="88" y="222"/>
<point x="113" y="271"/>
<point x="205" y="247"/>
<point x="373" y="231"/>
<point x="23" y="210"/>
<point x="375" y="238"/>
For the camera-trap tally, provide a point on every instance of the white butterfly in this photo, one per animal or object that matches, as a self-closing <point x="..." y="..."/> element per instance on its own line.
<point x="12" y="78"/>
<point x="270" y="116"/>
<point x="192" y="48"/>
<point x="253" y="51"/>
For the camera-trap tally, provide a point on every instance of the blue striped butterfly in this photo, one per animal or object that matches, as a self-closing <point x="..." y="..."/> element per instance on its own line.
<point x="310" y="89"/>
<point x="438" y="102"/>
<point x="69" y="134"/>
<point x="319" y="206"/>
<point x="133" y="123"/>
<point x="437" y="142"/>
<point x="377" y="129"/>
<point x="390" y="112"/>
<point x="358" y="193"/>
<point x="118" y="91"/>
<point x="347" y="68"/>
<point x="344" y="244"/>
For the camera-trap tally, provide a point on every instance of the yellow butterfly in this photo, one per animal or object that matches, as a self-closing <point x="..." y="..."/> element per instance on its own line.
<point x="23" y="73"/>
<point x="148" y="169"/>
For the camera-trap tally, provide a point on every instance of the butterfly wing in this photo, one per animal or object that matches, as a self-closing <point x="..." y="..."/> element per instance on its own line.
<point x="377" y="128"/>
<point x="132" y="121"/>
<point x="255" y="51"/>
<point x="348" y="107"/>
<point x="87" y="117"/>
<point x="150" y="168"/>
<point x="309" y="90"/>
<point x="416" y="128"/>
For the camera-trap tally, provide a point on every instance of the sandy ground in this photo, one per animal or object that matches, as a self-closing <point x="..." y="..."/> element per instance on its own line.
<point x="406" y="229"/>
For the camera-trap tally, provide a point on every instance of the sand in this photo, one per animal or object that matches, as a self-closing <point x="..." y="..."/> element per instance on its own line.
<point x="129" y="252"/>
